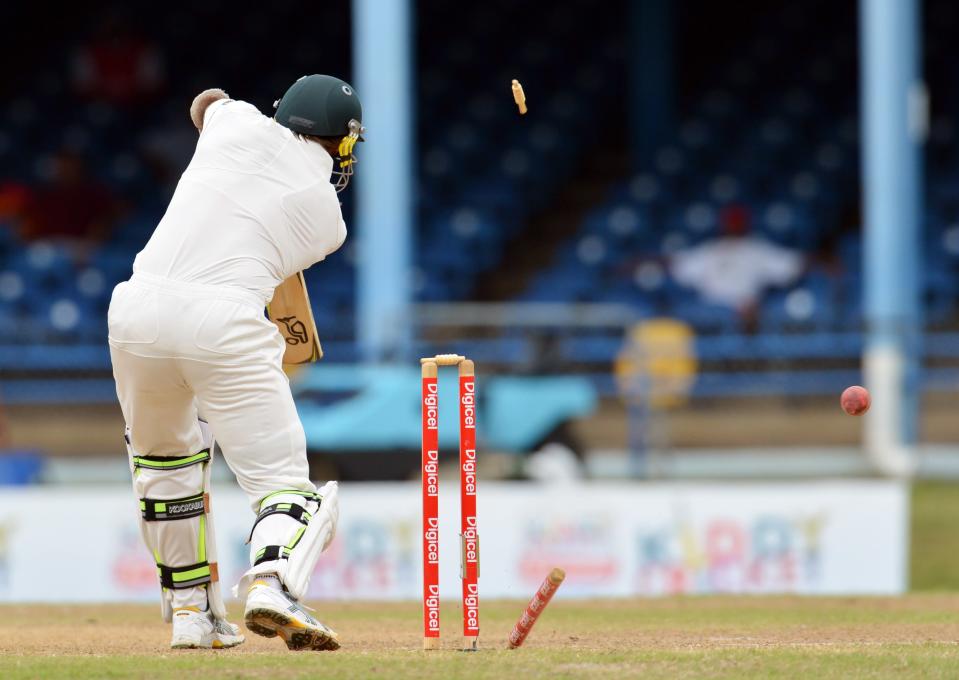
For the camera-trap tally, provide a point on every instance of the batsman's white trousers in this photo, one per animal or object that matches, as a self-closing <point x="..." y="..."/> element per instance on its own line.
<point x="182" y="350"/>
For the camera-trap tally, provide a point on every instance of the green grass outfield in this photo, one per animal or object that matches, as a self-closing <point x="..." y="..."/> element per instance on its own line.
<point x="934" y="554"/>
<point x="694" y="637"/>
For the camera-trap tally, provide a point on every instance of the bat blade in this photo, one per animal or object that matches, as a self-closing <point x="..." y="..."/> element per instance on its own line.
<point x="290" y="311"/>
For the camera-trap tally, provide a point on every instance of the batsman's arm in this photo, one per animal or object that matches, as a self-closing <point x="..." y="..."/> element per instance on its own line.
<point x="202" y="102"/>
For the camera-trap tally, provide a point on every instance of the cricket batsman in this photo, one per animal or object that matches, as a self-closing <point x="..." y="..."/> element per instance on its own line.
<point x="195" y="359"/>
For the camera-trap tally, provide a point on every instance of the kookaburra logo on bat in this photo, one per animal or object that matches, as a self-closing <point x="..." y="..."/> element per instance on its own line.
<point x="295" y="330"/>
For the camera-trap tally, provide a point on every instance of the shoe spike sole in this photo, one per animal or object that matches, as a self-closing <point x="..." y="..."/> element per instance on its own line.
<point x="270" y="623"/>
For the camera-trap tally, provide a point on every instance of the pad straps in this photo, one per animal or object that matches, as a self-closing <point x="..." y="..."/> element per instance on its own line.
<point x="297" y="512"/>
<point x="197" y="574"/>
<point x="198" y="505"/>
<point x="154" y="509"/>
<point x="308" y="495"/>
<point x="278" y="552"/>
<point x="188" y="576"/>
<point x="180" y="508"/>
<point x="170" y="462"/>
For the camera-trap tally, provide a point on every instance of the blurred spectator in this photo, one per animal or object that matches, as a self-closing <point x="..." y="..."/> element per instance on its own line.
<point x="73" y="206"/>
<point x="118" y="65"/>
<point x="735" y="269"/>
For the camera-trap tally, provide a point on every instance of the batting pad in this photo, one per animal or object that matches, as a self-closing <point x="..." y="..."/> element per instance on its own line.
<point x="293" y="561"/>
<point x="176" y="522"/>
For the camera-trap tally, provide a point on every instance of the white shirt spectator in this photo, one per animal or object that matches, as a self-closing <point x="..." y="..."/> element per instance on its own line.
<point x="734" y="272"/>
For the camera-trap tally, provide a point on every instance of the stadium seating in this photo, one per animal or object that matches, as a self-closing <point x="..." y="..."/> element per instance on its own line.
<point x="770" y="132"/>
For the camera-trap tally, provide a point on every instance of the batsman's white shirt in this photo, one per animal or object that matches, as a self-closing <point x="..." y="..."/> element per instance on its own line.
<point x="188" y="333"/>
<point x="254" y="206"/>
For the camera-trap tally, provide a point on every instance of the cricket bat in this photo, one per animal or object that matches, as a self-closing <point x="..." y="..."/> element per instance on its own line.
<point x="291" y="312"/>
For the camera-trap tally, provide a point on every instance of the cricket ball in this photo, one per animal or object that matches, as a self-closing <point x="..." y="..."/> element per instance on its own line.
<point x="855" y="400"/>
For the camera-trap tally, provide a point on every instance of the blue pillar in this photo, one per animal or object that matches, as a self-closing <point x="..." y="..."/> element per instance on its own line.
<point x="651" y="77"/>
<point x="893" y="124"/>
<point x="382" y="74"/>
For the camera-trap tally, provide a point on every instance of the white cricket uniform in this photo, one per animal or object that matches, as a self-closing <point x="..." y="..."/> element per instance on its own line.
<point x="188" y="333"/>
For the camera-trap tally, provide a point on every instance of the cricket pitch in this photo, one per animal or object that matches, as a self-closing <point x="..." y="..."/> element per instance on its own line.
<point x="694" y="637"/>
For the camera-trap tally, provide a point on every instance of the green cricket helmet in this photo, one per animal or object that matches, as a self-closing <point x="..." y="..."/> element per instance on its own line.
<point x="325" y="106"/>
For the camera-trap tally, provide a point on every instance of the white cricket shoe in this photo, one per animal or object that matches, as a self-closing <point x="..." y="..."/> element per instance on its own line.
<point x="270" y="612"/>
<point x="193" y="629"/>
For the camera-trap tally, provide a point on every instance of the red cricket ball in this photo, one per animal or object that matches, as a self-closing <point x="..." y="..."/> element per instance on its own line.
<point x="855" y="400"/>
